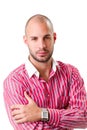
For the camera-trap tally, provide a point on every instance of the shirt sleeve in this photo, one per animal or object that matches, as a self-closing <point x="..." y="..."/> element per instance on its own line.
<point x="14" y="94"/>
<point x="75" y="116"/>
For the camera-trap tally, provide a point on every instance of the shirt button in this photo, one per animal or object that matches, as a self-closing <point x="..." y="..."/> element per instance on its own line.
<point x="54" y="123"/>
<point x="48" y="95"/>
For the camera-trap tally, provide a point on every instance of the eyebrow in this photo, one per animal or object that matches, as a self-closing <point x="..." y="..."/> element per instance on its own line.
<point x="47" y="35"/>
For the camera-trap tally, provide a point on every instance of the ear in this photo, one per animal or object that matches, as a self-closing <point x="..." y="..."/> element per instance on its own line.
<point x="54" y="36"/>
<point x="25" y="39"/>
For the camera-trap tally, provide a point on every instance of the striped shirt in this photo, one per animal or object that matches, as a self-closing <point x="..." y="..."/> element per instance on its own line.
<point x="63" y="95"/>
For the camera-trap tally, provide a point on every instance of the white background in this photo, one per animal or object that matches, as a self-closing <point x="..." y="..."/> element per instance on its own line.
<point x="70" y="23"/>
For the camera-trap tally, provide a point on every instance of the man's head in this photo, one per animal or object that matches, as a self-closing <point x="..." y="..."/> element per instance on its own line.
<point x="40" y="38"/>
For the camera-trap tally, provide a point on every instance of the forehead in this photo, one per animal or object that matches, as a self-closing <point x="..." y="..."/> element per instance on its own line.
<point x="36" y="27"/>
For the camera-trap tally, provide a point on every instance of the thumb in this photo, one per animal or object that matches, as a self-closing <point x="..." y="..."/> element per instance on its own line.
<point x="27" y="97"/>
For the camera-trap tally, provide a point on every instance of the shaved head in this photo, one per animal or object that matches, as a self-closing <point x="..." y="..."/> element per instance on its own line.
<point x="39" y="18"/>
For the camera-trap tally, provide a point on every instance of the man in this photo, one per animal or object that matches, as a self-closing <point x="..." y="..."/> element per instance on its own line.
<point x="44" y="94"/>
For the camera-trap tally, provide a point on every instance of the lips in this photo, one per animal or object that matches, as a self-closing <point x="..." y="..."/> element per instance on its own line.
<point x="42" y="53"/>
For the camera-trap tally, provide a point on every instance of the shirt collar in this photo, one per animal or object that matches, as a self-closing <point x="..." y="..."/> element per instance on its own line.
<point x="32" y="70"/>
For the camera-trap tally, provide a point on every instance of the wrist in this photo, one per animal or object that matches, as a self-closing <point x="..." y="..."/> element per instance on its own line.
<point x="44" y="114"/>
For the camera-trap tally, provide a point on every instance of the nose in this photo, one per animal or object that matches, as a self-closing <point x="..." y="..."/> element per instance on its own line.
<point x="42" y="44"/>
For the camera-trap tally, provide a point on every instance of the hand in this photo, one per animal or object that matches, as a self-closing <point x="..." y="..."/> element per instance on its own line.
<point x="26" y="113"/>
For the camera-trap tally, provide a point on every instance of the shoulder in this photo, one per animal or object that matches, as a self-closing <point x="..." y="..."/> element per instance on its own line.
<point x="66" y="66"/>
<point x="70" y="69"/>
<point x="15" y="73"/>
<point x="13" y="83"/>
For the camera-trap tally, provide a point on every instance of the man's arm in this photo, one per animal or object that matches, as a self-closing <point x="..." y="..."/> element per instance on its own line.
<point x="10" y="98"/>
<point x="69" y="118"/>
<point x="73" y="117"/>
<point x="14" y="94"/>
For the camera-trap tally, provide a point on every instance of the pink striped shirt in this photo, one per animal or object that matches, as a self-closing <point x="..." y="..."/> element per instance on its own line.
<point x="64" y="95"/>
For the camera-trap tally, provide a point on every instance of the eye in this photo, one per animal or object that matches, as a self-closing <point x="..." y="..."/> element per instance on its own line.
<point x="47" y="37"/>
<point x="34" y="38"/>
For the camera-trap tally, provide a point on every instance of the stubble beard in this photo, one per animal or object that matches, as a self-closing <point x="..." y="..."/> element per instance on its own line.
<point x="43" y="60"/>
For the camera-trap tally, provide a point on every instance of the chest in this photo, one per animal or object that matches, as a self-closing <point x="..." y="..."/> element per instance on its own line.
<point x="52" y="94"/>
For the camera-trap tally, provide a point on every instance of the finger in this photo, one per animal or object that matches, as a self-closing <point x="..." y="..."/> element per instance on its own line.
<point x="15" y="112"/>
<point x="17" y="106"/>
<point x="18" y="117"/>
<point x="19" y="121"/>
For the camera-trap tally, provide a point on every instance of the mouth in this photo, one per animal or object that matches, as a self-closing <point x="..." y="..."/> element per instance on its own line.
<point x="42" y="53"/>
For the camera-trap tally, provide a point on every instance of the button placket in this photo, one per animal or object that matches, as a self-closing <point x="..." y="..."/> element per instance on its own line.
<point x="47" y="94"/>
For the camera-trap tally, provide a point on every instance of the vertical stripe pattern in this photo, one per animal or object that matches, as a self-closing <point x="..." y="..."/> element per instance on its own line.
<point x="64" y="95"/>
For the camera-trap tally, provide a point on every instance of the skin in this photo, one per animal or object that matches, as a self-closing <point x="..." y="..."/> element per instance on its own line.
<point x="26" y="113"/>
<point x="40" y="39"/>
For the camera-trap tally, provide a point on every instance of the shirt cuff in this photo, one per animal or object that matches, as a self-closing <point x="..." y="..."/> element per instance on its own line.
<point x="53" y="117"/>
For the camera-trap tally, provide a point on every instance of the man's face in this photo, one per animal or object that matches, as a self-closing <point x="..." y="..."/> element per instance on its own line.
<point x="40" y="41"/>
